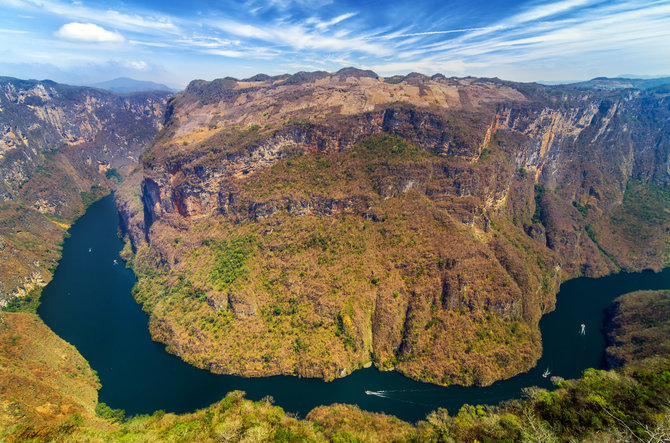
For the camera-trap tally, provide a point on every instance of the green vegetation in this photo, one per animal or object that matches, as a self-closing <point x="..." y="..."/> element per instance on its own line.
<point x="113" y="415"/>
<point x="231" y="257"/>
<point x="48" y="388"/>
<point x="95" y="194"/>
<point x="640" y="326"/>
<point x="644" y="205"/>
<point x="626" y="405"/>
<point x="388" y="146"/>
<point x="539" y="215"/>
<point x="584" y="210"/>
<point x="113" y="173"/>
<point x="27" y="303"/>
<point x="638" y="231"/>
<point x="380" y="251"/>
<point x="523" y="173"/>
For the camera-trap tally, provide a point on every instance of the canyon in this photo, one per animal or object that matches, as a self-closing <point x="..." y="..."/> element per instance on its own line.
<point x="61" y="147"/>
<point x="315" y="223"/>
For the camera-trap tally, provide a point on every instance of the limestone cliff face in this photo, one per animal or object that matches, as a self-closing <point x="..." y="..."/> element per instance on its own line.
<point x="35" y="117"/>
<point x="56" y="143"/>
<point x="421" y="223"/>
<point x="586" y="150"/>
<point x="186" y="186"/>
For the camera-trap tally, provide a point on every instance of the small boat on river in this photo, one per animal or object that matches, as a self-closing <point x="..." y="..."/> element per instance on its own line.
<point x="546" y="373"/>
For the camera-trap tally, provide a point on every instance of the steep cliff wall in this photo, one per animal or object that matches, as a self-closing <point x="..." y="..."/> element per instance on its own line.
<point x="60" y="147"/>
<point x="313" y="224"/>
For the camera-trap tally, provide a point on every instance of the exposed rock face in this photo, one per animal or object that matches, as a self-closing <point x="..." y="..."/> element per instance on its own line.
<point x="421" y="223"/>
<point x="100" y="128"/>
<point x="56" y="143"/>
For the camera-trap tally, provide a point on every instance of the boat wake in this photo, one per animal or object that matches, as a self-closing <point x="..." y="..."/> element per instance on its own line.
<point x="385" y="394"/>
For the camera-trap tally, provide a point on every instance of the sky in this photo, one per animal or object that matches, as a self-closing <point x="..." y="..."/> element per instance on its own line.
<point x="176" y="41"/>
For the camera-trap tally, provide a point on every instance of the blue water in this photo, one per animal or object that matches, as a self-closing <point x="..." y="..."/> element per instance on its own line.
<point x="89" y="304"/>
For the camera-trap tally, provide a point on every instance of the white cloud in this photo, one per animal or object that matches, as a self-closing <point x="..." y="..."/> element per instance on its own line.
<point x="426" y="33"/>
<point x="609" y="32"/>
<point x="138" y="65"/>
<point x="151" y="44"/>
<point x="227" y="53"/>
<point x="244" y="30"/>
<point x="205" y="42"/>
<point x="88" y="32"/>
<point x="271" y="35"/>
<point x="428" y="66"/>
<point x="285" y="4"/>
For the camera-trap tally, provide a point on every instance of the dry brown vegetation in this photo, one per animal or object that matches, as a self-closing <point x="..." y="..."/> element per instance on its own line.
<point x="640" y="327"/>
<point x="351" y="263"/>
<point x="46" y="386"/>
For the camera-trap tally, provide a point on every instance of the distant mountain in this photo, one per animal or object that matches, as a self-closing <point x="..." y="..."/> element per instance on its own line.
<point x="622" y="83"/>
<point x="557" y="82"/>
<point x="125" y="85"/>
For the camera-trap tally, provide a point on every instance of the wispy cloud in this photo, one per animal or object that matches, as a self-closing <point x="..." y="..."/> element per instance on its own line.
<point x="424" y="33"/>
<point x="547" y="10"/>
<point x="323" y="25"/>
<point x="107" y="17"/>
<point x="300" y="37"/>
<point x="572" y="28"/>
<point x="12" y="31"/>
<point x="599" y="36"/>
<point x="286" y="4"/>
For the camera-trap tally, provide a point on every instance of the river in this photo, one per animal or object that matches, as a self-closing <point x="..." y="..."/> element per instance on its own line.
<point x="89" y="304"/>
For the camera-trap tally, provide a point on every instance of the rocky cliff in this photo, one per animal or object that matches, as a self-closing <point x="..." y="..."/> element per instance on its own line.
<point x="314" y="223"/>
<point x="60" y="147"/>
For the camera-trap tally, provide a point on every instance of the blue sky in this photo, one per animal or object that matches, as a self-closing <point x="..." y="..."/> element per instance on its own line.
<point x="175" y="41"/>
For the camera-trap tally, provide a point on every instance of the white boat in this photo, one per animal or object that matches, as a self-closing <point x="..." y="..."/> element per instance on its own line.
<point x="546" y="373"/>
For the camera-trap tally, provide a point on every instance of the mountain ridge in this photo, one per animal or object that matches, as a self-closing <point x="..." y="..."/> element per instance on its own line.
<point x="126" y="85"/>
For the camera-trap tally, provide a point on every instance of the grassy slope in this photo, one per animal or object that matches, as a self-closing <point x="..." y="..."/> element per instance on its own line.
<point x="46" y="386"/>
